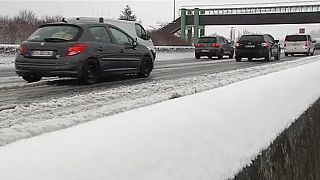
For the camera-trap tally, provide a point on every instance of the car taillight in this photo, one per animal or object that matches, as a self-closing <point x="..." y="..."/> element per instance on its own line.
<point x="22" y="50"/>
<point x="76" y="49"/>
<point x="198" y="45"/>
<point x="237" y="45"/>
<point x="265" y="44"/>
<point x="215" y="45"/>
<point x="307" y="43"/>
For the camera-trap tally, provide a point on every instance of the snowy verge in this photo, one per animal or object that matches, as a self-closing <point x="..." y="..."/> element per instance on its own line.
<point x="208" y="135"/>
<point x="9" y="45"/>
<point x="173" y="48"/>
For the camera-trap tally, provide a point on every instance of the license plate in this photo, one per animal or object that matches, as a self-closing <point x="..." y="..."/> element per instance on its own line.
<point x="250" y="46"/>
<point x="204" y="50"/>
<point x="42" y="53"/>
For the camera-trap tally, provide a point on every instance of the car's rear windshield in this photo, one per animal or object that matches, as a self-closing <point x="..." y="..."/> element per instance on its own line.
<point x="208" y="40"/>
<point x="296" y="38"/>
<point x="254" y="38"/>
<point x="55" y="33"/>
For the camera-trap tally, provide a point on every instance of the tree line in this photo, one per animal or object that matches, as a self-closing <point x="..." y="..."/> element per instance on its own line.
<point x="13" y="30"/>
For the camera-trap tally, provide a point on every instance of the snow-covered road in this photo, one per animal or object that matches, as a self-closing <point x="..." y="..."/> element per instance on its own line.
<point x="49" y="114"/>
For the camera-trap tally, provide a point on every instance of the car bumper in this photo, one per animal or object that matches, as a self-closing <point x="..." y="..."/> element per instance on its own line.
<point x="63" y="67"/>
<point x="207" y="52"/>
<point x="251" y="53"/>
<point x="297" y="50"/>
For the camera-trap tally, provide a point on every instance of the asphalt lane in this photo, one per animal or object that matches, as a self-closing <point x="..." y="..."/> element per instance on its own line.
<point x="169" y="66"/>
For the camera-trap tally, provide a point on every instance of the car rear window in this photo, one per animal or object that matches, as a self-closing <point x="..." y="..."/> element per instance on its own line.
<point x="208" y="40"/>
<point x="254" y="38"/>
<point x="56" y="33"/>
<point x="296" y="38"/>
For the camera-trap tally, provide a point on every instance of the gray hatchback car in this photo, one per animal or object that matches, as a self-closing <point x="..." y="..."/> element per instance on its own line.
<point x="85" y="51"/>
<point x="213" y="46"/>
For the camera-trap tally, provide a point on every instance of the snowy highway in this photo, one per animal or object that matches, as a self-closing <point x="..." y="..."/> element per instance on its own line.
<point x="51" y="104"/>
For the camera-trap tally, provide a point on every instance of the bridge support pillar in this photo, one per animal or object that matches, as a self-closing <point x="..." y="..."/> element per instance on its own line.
<point x="202" y="31"/>
<point x="183" y="23"/>
<point x="196" y="25"/>
<point x="189" y="33"/>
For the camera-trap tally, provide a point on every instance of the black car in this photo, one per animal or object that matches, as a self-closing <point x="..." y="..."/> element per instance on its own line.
<point x="213" y="46"/>
<point x="257" y="46"/>
<point x="82" y="50"/>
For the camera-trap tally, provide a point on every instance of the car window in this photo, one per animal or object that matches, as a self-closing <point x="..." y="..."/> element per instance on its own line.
<point x="296" y="38"/>
<point x="267" y="38"/>
<point x="208" y="40"/>
<point x="309" y="38"/>
<point x="225" y="40"/>
<point x="270" y="37"/>
<point x="140" y="31"/>
<point x="100" y="34"/>
<point x="55" y="33"/>
<point x="120" y="37"/>
<point x="253" y="38"/>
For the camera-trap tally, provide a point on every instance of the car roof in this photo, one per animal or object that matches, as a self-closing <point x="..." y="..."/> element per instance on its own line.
<point x="298" y="35"/>
<point x="215" y="36"/>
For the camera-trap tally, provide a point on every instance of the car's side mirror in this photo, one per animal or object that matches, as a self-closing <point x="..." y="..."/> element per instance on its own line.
<point x="146" y="36"/>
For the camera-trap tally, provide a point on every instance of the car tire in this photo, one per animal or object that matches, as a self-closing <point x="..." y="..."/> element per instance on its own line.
<point x="231" y="56"/>
<point x="31" y="78"/>
<point x="220" y="55"/>
<point x="238" y="59"/>
<point x="312" y="53"/>
<point x="286" y="54"/>
<point x="90" y="72"/>
<point x="145" y="67"/>
<point x="197" y="56"/>
<point x="267" y="56"/>
<point x="278" y="56"/>
<point x="308" y="53"/>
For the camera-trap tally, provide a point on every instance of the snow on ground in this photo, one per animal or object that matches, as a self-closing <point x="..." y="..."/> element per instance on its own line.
<point x="6" y="62"/>
<point x="208" y="135"/>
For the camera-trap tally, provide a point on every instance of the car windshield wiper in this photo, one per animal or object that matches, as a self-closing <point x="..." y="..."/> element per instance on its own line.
<point x="55" y="40"/>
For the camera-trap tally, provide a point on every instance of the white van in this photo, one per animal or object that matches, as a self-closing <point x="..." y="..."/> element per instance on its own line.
<point x="133" y="28"/>
<point x="299" y="44"/>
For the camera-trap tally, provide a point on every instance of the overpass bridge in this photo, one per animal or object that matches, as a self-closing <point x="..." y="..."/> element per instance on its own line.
<point x="192" y="22"/>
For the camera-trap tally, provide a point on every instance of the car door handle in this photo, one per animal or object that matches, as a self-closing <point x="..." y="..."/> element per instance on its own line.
<point x="100" y="48"/>
<point x="122" y="50"/>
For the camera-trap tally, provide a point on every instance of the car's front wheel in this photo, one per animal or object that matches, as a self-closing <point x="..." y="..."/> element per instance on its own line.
<point x="31" y="78"/>
<point x="90" y="72"/>
<point x="231" y="55"/>
<point x="220" y="55"/>
<point x="145" y="68"/>
<point x="312" y="53"/>
<point x="197" y="56"/>
<point x="238" y="59"/>
<point x="278" y="56"/>
<point x="267" y="56"/>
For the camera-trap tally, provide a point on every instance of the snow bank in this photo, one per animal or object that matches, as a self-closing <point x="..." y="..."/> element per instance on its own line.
<point x="174" y="48"/>
<point x="208" y="135"/>
<point x="9" y="45"/>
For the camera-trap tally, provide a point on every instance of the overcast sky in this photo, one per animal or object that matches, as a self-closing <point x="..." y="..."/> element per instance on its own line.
<point x="148" y="11"/>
